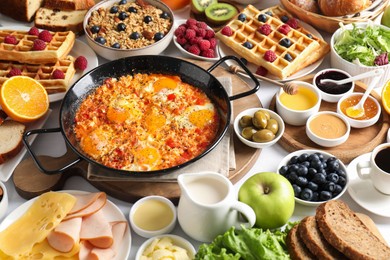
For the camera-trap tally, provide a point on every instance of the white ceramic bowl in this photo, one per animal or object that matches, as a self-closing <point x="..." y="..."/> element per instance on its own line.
<point x="327" y="142"/>
<point x="328" y="97"/>
<point x="151" y="233"/>
<point x="3" y="201"/>
<point x="360" y="123"/>
<point x="177" y="240"/>
<point x="338" y="62"/>
<point x="189" y="54"/>
<point x="325" y="155"/>
<point x="110" y="53"/>
<point x="297" y="117"/>
<point x="251" y="112"/>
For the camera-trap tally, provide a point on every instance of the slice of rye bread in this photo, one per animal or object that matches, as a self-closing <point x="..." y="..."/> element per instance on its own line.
<point x="311" y="236"/>
<point x="295" y="247"/>
<point x="371" y="226"/>
<point x="344" y="230"/>
<point x="11" y="135"/>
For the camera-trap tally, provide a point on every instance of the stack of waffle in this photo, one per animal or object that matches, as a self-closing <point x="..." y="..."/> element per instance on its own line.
<point x="38" y="64"/>
<point x="304" y="49"/>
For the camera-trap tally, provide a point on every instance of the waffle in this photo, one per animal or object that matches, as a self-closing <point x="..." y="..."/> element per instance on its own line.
<point x="57" y="49"/>
<point x="42" y="73"/>
<point x="305" y="48"/>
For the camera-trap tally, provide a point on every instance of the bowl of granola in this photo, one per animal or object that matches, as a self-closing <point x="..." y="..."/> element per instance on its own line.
<point x="120" y="28"/>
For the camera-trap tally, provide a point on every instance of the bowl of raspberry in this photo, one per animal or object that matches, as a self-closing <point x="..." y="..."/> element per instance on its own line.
<point x="316" y="176"/>
<point x="195" y="39"/>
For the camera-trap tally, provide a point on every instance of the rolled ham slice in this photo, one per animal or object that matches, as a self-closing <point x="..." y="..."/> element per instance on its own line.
<point x="97" y="230"/>
<point x="64" y="237"/>
<point x="87" y="204"/>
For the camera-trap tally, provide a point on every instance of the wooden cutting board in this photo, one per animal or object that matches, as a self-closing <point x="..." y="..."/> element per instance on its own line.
<point x="30" y="182"/>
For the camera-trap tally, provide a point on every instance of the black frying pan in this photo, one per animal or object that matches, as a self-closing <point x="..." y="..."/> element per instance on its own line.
<point x="188" y="72"/>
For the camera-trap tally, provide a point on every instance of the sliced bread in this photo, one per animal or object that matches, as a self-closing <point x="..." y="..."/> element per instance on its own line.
<point x="21" y="10"/>
<point x="11" y="139"/>
<point x="344" y="230"/>
<point x="311" y="236"/>
<point x="58" y="21"/>
<point x="69" y="4"/>
<point x="296" y="248"/>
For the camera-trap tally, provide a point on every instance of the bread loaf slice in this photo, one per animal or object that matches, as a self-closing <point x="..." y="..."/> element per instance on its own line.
<point x="311" y="236"/>
<point x="295" y="247"/>
<point x="69" y="4"/>
<point x="58" y="21"/>
<point x="21" y="10"/>
<point x="11" y="139"/>
<point x="343" y="229"/>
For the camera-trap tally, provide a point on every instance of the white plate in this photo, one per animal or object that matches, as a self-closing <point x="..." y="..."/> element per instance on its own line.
<point x="7" y="168"/>
<point x="79" y="48"/>
<point x="364" y="193"/>
<point x="112" y="213"/>
<point x="188" y="54"/>
<point x="225" y="50"/>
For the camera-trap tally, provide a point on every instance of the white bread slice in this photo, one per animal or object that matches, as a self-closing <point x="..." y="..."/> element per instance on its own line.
<point x="11" y="135"/>
<point x="59" y="21"/>
<point x="69" y="4"/>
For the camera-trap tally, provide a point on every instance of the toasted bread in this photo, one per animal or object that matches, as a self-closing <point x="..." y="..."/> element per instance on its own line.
<point x="345" y="231"/>
<point x="296" y="248"/>
<point x="69" y="4"/>
<point x="11" y="139"/>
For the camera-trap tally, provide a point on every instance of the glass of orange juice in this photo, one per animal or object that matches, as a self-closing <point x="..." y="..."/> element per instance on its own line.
<point x="176" y="4"/>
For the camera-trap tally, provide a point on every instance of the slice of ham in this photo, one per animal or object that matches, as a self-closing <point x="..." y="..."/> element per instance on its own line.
<point x="64" y="237"/>
<point x="97" y="230"/>
<point x="87" y="204"/>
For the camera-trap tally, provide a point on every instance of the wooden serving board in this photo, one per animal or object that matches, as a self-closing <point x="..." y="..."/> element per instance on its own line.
<point x="360" y="141"/>
<point x="30" y="182"/>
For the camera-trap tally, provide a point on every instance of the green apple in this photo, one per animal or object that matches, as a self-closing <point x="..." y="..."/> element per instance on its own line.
<point x="272" y="198"/>
<point x="386" y="17"/>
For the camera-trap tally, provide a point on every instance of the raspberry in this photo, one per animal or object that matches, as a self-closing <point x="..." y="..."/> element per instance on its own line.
<point x="210" y="53"/>
<point x="265" y="29"/>
<point x="202" y="25"/>
<point x="38" y="45"/>
<point x="33" y="31"/>
<point x="10" y="39"/>
<point x="180" y="31"/>
<point x="381" y="59"/>
<point x="201" y="32"/>
<point x="191" y="21"/>
<point x="227" y="31"/>
<point x="194" y="49"/>
<point x="14" y="72"/>
<point x="285" y="28"/>
<point x="261" y="71"/>
<point x="204" y="45"/>
<point x="195" y="40"/>
<point x="209" y="34"/>
<point x="58" y="74"/>
<point x="293" y="23"/>
<point x="190" y="33"/>
<point x="45" y="36"/>
<point x="181" y="40"/>
<point x="81" y="63"/>
<point x="213" y="43"/>
<point x="270" y="56"/>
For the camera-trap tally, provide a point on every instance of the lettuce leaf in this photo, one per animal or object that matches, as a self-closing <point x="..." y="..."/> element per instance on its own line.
<point x="247" y="244"/>
<point x="361" y="45"/>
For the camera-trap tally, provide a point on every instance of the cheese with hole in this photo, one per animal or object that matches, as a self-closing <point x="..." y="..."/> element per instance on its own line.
<point x="46" y="212"/>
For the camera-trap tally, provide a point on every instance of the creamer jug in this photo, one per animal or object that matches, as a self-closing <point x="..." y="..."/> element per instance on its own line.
<point x="209" y="206"/>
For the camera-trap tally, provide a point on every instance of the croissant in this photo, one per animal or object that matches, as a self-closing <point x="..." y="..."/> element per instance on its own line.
<point x="342" y="7"/>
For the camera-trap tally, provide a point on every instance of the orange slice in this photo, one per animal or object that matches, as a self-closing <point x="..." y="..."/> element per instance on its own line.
<point x="23" y="99"/>
<point x="386" y="97"/>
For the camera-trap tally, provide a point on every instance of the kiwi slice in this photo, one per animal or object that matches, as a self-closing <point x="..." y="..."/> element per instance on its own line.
<point x="199" y="6"/>
<point x="220" y="13"/>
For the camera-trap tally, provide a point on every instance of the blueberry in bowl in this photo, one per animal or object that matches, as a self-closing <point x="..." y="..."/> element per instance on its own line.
<point x="316" y="176"/>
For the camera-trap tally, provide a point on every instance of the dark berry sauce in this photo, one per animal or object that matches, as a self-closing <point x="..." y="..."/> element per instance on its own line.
<point x="332" y="88"/>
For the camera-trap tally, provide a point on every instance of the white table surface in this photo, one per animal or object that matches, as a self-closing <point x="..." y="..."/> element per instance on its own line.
<point x="267" y="161"/>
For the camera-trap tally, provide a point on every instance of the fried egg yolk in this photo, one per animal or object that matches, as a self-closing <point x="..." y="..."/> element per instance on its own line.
<point x="154" y="120"/>
<point x="164" y="83"/>
<point x="96" y="142"/>
<point x="121" y="110"/>
<point x="197" y="116"/>
<point x="147" y="156"/>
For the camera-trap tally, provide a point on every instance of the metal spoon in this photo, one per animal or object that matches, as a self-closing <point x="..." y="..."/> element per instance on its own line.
<point x="357" y="110"/>
<point x="367" y="74"/>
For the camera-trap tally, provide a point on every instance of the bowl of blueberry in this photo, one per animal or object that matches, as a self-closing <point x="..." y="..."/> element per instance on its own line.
<point x="120" y="28"/>
<point x="316" y="176"/>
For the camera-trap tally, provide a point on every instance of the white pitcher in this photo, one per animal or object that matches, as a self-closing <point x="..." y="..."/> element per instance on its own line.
<point x="209" y="206"/>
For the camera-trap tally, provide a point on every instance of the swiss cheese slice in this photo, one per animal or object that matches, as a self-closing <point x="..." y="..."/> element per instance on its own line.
<point x="46" y="212"/>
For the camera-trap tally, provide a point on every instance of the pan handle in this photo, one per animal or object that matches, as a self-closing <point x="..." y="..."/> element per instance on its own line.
<point x="242" y="65"/>
<point x="35" y="157"/>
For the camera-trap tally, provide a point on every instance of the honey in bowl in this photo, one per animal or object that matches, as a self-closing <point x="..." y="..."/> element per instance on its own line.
<point x="370" y="107"/>
<point x="304" y="99"/>
<point x="328" y="126"/>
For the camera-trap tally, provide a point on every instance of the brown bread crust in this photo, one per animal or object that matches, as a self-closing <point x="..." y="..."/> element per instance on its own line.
<point x="313" y="239"/>
<point x="296" y="248"/>
<point x="345" y="231"/>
